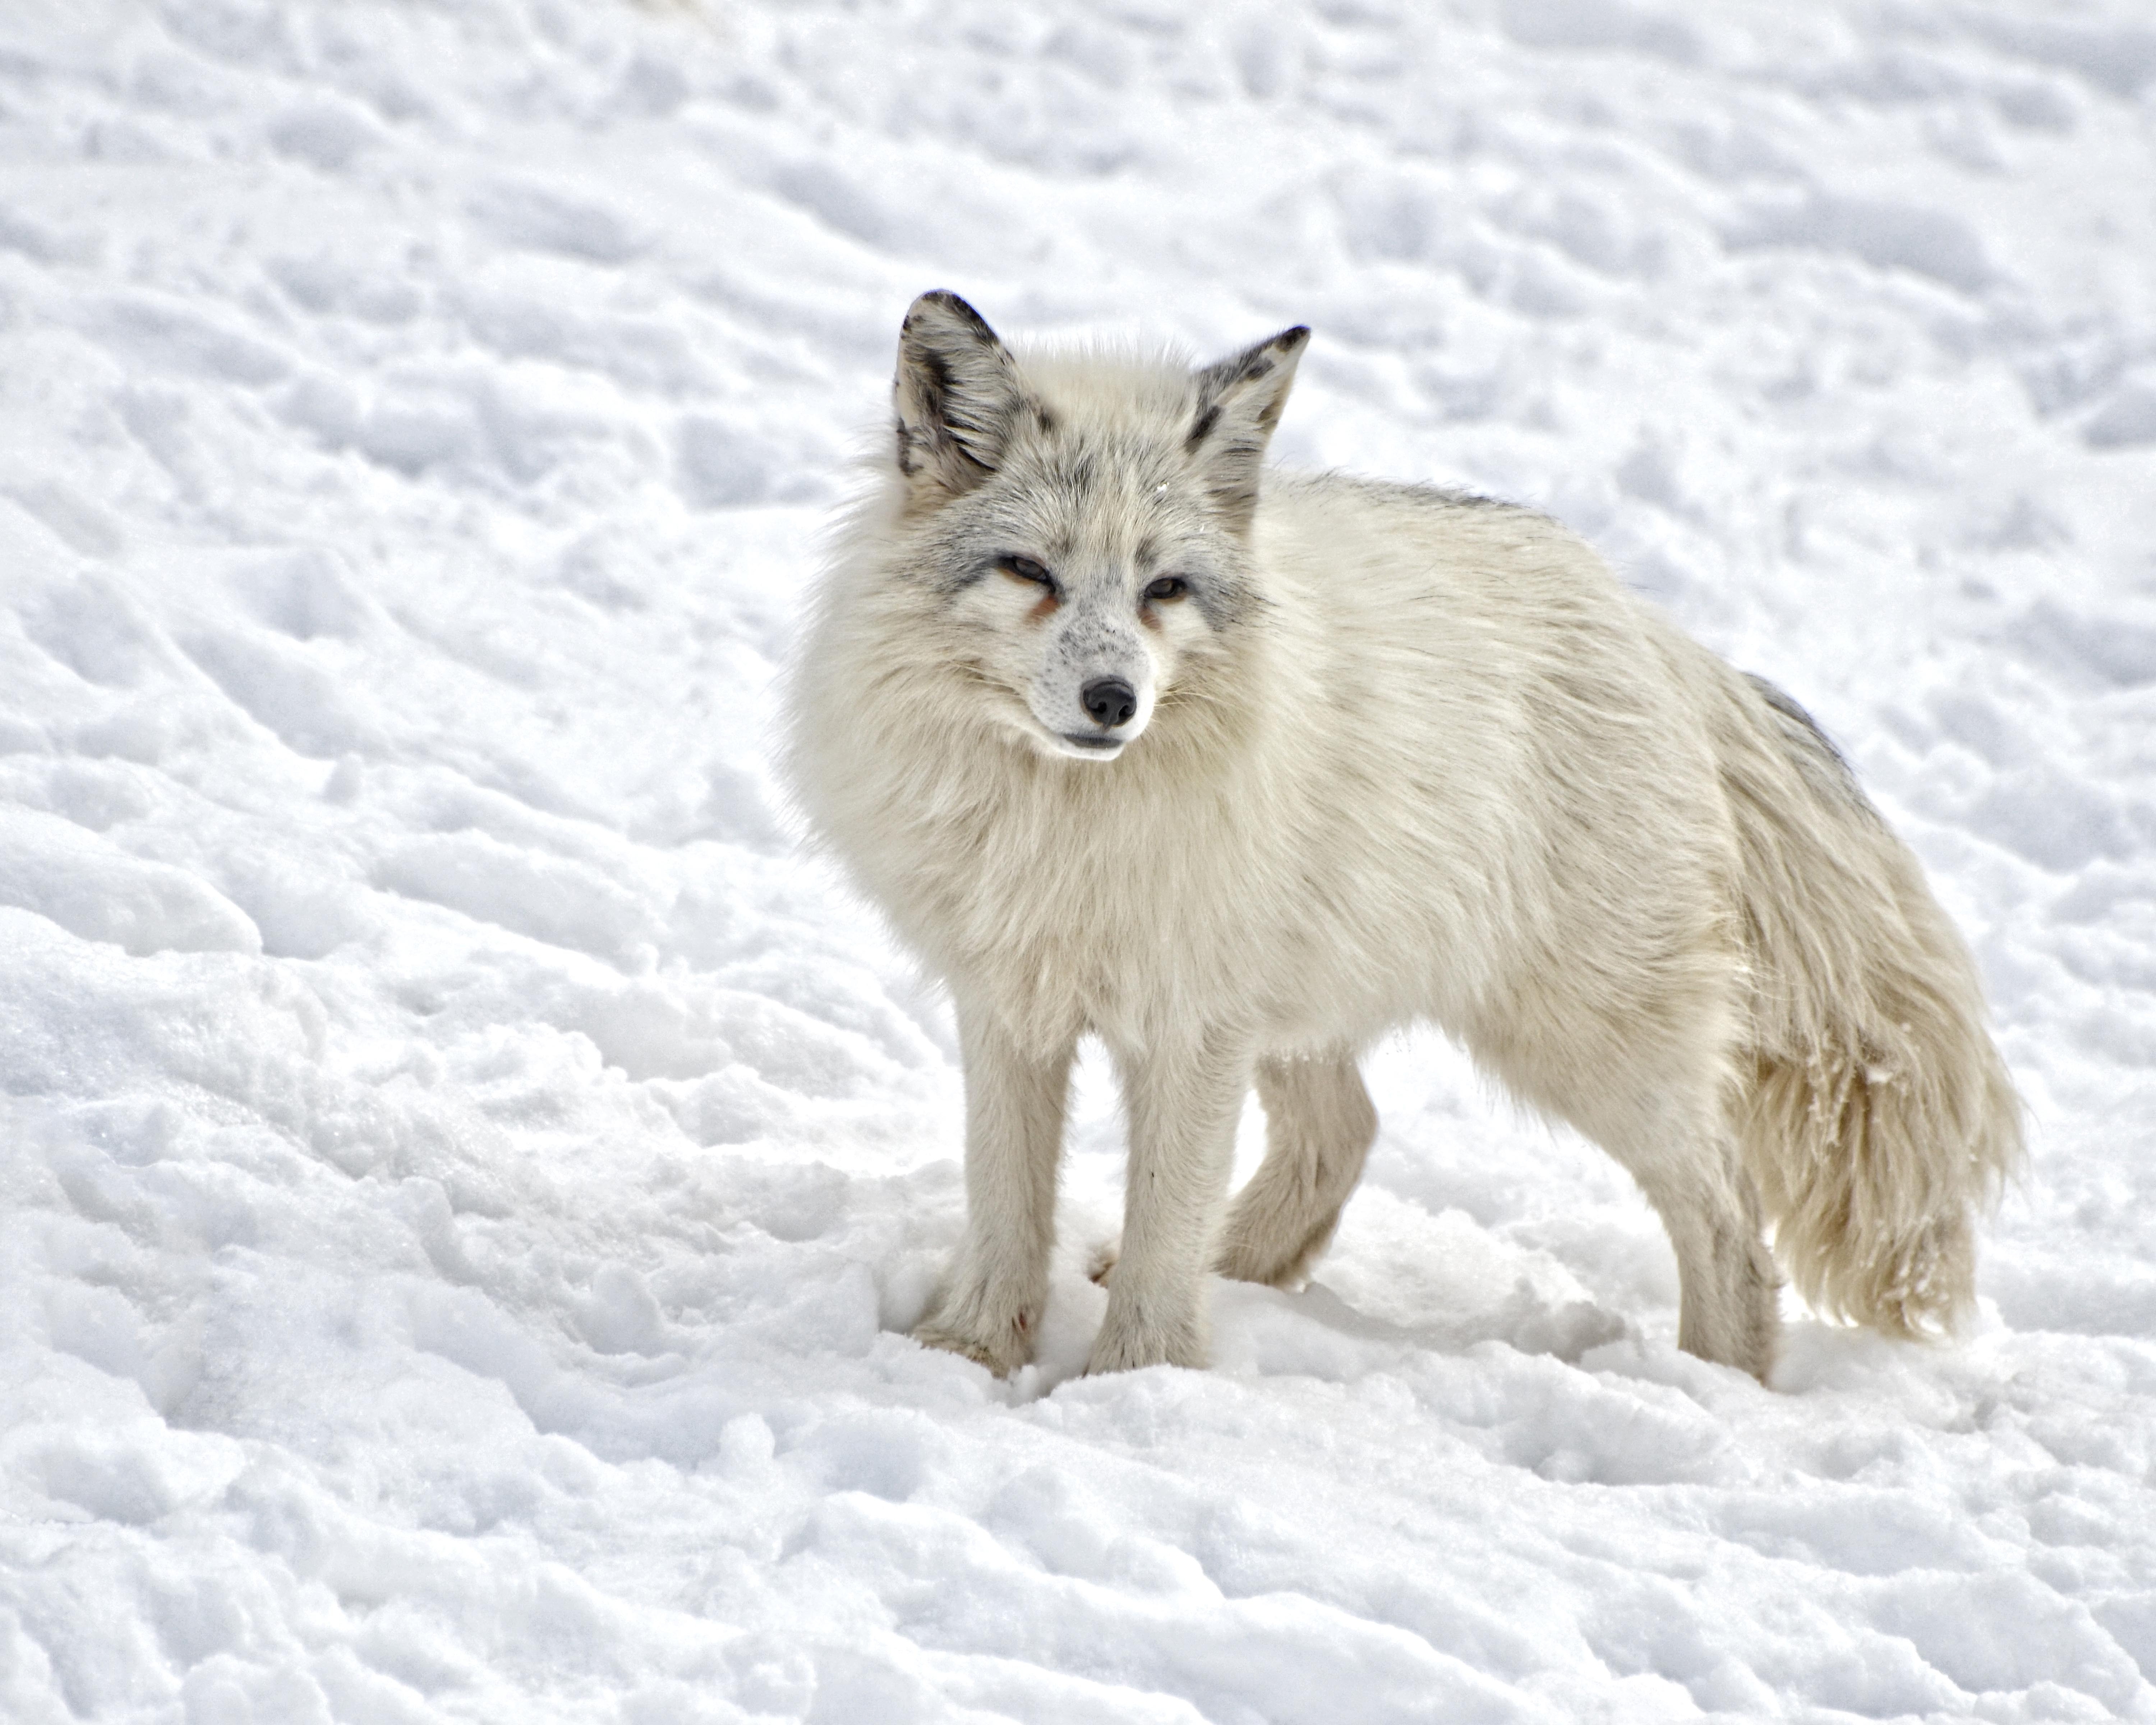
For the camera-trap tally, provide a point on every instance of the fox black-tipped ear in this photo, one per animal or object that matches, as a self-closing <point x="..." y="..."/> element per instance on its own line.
<point x="955" y="393"/>
<point x="1239" y="402"/>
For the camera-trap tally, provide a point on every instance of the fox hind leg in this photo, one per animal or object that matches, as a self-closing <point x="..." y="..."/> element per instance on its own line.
<point x="1650" y="1079"/>
<point x="1729" y="1291"/>
<point x="1319" y="1125"/>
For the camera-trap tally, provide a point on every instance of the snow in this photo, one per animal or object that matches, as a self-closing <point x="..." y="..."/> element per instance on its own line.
<point x="467" y="1178"/>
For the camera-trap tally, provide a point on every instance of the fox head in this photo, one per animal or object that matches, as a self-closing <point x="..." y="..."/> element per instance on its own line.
<point x="1086" y="517"/>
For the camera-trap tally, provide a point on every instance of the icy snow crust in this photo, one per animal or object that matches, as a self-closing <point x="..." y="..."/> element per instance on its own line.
<point x="467" y="1178"/>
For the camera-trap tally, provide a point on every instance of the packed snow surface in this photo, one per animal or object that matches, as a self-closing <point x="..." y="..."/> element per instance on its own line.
<point x="467" y="1177"/>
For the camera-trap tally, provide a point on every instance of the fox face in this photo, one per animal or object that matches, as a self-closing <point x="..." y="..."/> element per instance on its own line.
<point x="1084" y="588"/>
<point x="1090" y="552"/>
<point x="1086" y="654"/>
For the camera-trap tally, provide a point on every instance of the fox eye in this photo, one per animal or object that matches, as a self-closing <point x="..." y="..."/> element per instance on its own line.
<point x="1026" y="570"/>
<point x="1168" y="587"/>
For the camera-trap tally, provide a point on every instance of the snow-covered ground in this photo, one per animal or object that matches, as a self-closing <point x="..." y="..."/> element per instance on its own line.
<point x="465" y="1179"/>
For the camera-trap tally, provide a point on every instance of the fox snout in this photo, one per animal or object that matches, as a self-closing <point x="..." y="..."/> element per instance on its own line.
<point x="1109" y="702"/>
<point x="1106" y="712"/>
<point x="1093" y="689"/>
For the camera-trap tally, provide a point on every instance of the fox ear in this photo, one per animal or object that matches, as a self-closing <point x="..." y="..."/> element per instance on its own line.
<point x="956" y="393"/>
<point x="1239" y="402"/>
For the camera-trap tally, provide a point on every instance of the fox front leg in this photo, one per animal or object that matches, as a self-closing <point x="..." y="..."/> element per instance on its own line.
<point x="990" y="1304"/>
<point x="1183" y="1102"/>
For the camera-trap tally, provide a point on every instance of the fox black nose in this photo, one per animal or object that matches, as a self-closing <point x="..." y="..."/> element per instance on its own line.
<point x="1109" y="701"/>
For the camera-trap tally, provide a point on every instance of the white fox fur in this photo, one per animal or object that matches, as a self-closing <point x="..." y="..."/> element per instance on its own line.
<point x="1238" y="776"/>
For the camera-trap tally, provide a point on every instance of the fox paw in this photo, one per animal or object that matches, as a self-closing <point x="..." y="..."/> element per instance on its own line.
<point x="1268" y="1262"/>
<point x="1002" y="1349"/>
<point x="1128" y="1345"/>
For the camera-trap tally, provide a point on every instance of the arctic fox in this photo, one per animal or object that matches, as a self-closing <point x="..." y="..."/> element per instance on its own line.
<point x="1237" y="770"/>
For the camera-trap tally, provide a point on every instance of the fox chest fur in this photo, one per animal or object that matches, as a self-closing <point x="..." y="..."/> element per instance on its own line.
<point x="1067" y="899"/>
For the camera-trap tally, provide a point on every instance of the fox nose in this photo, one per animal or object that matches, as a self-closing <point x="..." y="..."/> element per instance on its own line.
<point x="1109" y="701"/>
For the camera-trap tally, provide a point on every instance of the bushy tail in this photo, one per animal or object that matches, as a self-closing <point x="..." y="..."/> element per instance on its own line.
<point x="1879" y="1119"/>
